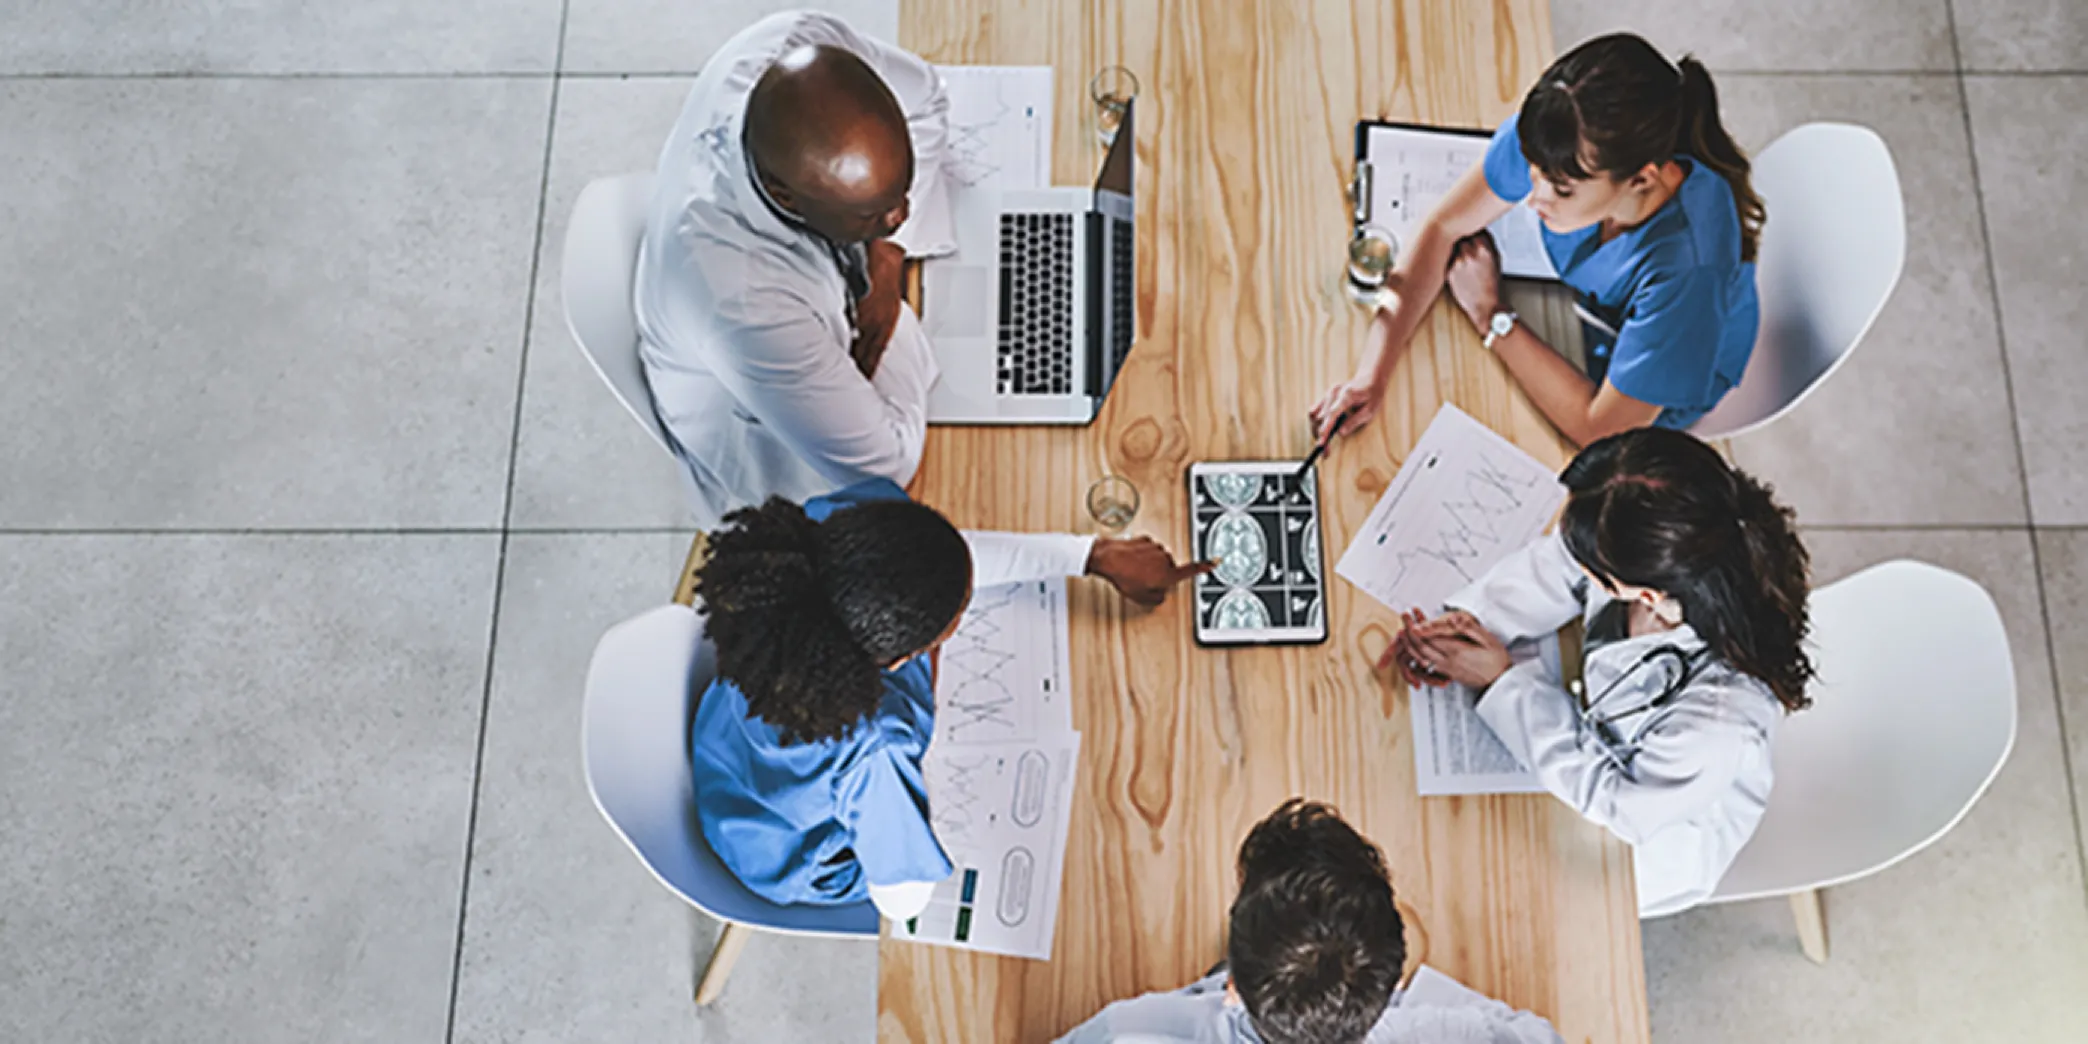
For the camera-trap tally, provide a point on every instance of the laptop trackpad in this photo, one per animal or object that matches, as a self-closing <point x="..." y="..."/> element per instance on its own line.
<point x="958" y="300"/>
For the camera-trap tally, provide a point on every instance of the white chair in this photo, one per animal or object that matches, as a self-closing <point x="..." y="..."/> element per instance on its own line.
<point x="1831" y="253"/>
<point x="642" y="688"/>
<point x="1914" y="714"/>
<point x="595" y="280"/>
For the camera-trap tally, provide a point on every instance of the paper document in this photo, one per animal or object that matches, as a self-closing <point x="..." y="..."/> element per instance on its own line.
<point x="1454" y="751"/>
<point x="1407" y="169"/>
<point x="1000" y="138"/>
<point x="1003" y="676"/>
<point x="1000" y="126"/>
<point x="1465" y="498"/>
<point x="1001" y="811"/>
<point x="1000" y="772"/>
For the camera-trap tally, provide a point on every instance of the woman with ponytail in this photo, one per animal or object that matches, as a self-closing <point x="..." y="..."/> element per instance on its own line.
<point x="1691" y="584"/>
<point x="1648" y="215"/>
<point x="807" y="747"/>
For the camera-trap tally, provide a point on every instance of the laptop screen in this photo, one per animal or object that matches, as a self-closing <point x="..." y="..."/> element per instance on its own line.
<point x="1116" y="167"/>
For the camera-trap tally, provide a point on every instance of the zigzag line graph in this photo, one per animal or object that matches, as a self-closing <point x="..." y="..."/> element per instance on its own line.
<point x="978" y="702"/>
<point x="1489" y="495"/>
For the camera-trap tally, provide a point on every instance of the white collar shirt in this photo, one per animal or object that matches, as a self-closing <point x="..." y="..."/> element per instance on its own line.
<point x="1433" y="1009"/>
<point x="744" y="318"/>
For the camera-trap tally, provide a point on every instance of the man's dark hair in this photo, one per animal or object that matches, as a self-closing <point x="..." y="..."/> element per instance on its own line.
<point x="1316" y="946"/>
<point x="807" y="615"/>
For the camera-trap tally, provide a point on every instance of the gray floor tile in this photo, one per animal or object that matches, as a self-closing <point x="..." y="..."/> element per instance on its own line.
<point x="2030" y="137"/>
<point x="264" y="302"/>
<point x="270" y="36"/>
<point x="1915" y="428"/>
<point x="566" y="936"/>
<point x="235" y="774"/>
<point x="2023" y="34"/>
<point x="1983" y="936"/>
<point x="674" y="36"/>
<point x="2064" y="555"/>
<point x="581" y="460"/>
<point x="1773" y="35"/>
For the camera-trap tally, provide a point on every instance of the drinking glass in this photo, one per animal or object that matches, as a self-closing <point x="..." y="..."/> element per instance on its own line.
<point x="1372" y="252"/>
<point x="1112" y="90"/>
<point x="1112" y="502"/>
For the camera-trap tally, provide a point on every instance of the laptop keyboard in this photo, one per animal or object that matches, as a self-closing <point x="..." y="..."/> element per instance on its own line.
<point x="1036" y="305"/>
<point x="1121" y="237"/>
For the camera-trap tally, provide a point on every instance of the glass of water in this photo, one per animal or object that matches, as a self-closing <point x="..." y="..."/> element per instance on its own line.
<point x="1112" y="502"/>
<point x="1112" y="90"/>
<point x="1372" y="252"/>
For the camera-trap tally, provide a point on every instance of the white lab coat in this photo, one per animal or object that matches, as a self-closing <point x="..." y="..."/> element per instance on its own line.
<point x="1434" y="1009"/>
<point x="1697" y="786"/>
<point x="743" y="318"/>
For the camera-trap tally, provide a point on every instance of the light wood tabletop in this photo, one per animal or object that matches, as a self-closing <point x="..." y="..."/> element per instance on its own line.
<point x="1245" y="125"/>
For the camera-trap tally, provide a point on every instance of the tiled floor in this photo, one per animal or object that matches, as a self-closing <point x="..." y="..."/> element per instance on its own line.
<point x="312" y="515"/>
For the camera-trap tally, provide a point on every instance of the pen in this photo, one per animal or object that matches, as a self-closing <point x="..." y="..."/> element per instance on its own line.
<point x="1314" y="456"/>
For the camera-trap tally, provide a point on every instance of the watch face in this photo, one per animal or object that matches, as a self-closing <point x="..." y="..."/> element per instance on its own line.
<point x="1502" y="323"/>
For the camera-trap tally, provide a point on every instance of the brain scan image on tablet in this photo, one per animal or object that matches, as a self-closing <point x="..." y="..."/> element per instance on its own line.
<point x="1261" y="524"/>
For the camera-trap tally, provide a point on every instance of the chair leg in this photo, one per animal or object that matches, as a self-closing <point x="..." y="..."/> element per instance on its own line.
<point x="699" y="553"/>
<point x="1812" y="924"/>
<point x="723" y="956"/>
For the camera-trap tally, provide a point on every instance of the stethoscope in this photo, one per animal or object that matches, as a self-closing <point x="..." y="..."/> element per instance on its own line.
<point x="1603" y="727"/>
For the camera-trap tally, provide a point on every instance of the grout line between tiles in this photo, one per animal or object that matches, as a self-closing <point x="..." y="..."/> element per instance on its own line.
<point x="507" y="515"/>
<point x="306" y="531"/>
<point x="196" y="74"/>
<point x="2044" y="605"/>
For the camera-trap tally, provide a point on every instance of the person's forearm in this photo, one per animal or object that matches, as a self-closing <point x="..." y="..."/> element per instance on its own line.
<point x="1416" y="283"/>
<point x="1560" y="392"/>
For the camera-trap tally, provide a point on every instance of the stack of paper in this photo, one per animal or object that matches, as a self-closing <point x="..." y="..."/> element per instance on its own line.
<point x="1000" y="773"/>
<point x="1464" y="500"/>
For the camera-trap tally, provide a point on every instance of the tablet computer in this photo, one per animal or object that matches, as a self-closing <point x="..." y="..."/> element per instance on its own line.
<point x="1261" y="523"/>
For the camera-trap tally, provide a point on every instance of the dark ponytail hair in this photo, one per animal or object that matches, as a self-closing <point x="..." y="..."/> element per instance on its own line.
<point x="1657" y="508"/>
<point x="1614" y="100"/>
<point x="807" y="615"/>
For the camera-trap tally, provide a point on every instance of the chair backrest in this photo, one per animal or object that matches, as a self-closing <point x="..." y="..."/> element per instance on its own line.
<point x="1914" y="713"/>
<point x="595" y="280"/>
<point x="1831" y="253"/>
<point x="642" y="688"/>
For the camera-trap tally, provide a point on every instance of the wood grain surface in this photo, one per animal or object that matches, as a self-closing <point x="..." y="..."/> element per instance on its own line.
<point x="1245" y="131"/>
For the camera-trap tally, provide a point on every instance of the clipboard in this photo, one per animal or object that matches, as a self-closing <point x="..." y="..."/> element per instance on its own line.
<point x="1402" y="169"/>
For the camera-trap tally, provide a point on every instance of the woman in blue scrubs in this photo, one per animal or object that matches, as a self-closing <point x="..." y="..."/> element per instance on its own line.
<point x="1648" y="215"/>
<point x="807" y="748"/>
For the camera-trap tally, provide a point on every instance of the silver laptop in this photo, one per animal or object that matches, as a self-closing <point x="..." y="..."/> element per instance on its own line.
<point x="1032" y="317"/>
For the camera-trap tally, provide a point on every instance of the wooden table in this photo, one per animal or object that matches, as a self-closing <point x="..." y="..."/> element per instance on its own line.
<point x="1245" y="143"/>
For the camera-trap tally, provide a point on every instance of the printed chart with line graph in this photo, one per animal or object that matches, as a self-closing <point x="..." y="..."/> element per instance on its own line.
<point x="1000" y="812"/>
<point x="1464" y="500"/>
<point x="1000" y="126"/>
<point x="1005" y="673"/>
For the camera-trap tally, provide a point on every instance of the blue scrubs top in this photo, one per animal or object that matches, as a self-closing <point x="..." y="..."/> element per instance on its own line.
<point x="821" y="821"/>
<point x="1674" y="290"/>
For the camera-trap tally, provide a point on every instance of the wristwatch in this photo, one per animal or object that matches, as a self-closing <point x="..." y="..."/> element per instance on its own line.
<point x="1498" y="327"/>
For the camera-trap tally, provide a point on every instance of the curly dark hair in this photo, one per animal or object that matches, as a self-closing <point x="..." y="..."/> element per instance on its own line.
<point x="807" y="615"/>
<point x="1316" y="945"/>
<point x="1658" y="508"/>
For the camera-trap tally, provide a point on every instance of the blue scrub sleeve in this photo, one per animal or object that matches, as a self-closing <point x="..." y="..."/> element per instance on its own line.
<point x="894" y="840"/>
<point x="1507" y="172"/>
<point x="820" y="508"/>
<point x="1669" y="343"/>
<point x="885" y="802"/>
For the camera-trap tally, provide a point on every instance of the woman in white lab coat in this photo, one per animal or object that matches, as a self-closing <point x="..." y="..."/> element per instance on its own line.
<point x="1691" y="583"/>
